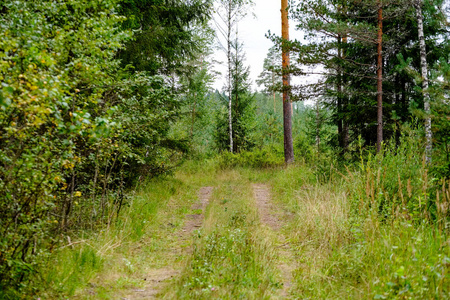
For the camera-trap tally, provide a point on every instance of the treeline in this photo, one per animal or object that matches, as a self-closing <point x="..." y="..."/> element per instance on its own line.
<point x="90" y="91"/>
<point x="368" y="57"/>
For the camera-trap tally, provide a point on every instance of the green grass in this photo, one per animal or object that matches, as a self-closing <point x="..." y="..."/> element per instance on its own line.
<point x="230" y="259"/>
<point x="339" y="253"/>
<point x="103" y="264"/>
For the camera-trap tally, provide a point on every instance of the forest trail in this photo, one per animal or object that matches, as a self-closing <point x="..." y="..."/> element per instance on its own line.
<point x="157" y="279"/>
<point x="271" y="221"/>
<point x="194" y="221"/>
<point x="244" y="234"/>
<point x="270" y="216"/>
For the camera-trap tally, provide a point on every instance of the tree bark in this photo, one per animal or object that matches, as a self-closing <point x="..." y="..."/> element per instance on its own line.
<point x="424" y="71"/>
<point x="380" y="78"/>
<point x="273" y="93"/>
<point x="339" y="97"/>
<point x="287" y="109"/>
<point x="318" y="121"/>
<point x="345" y="129"/>
<point x="230" y="118"/>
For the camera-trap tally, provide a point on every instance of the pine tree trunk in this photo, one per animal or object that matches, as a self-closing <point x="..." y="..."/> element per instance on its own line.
<point x="424" y="71"/>
<point x="287" y="109"/>
<point x="380" y="78"/>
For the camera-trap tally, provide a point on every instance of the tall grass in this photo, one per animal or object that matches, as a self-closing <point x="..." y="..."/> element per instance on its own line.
<point x="378" y="230"/>
<point x="88" y="261"/>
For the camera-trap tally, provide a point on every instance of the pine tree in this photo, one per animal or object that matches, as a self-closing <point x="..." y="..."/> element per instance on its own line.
<point x="270" y="76"/>
<point x="287" y="107"/>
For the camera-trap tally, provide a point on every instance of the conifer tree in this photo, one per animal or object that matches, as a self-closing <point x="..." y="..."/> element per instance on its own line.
<point x="230" y="13"/>
<point x="287" y="107"/>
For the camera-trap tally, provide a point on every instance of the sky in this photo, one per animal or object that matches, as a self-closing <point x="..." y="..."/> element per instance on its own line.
<point x="252" y="30"/>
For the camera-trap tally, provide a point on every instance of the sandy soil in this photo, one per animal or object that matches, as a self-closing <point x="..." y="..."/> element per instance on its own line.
<point x="272" y="217"/>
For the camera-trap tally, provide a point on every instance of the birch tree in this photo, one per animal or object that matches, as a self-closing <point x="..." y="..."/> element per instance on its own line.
<point x="380" y="76"/>
<point x="228" y="15"/>
<point x="424" y="72"/>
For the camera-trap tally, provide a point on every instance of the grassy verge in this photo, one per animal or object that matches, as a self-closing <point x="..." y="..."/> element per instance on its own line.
<point x="108" y="263"/>
<point x="346" y="255"/>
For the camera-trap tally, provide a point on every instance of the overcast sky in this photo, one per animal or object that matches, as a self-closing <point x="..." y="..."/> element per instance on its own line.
<point x="252" y="31"/>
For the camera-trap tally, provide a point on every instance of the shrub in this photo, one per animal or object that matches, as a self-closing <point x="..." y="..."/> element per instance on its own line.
<point x="264" y="158"/>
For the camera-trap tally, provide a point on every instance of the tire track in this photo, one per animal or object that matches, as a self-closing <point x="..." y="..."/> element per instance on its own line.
<point x="271" y="217"/>
<point x="156" y="279"/>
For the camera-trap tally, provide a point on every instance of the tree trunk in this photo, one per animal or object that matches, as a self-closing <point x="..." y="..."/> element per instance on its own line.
<point x="318" y="121"/>
<point x="345" y="129"/>
<point x="404" y="99"/>
<point x="230" y="118"/>
<point x="380" y="78"/>
<point x="193" y="115"/>
<point x="287" y="109"/>
<point x="424" y="71"/>
<point x="339" y="97"/>
<point x="273" y="93"/>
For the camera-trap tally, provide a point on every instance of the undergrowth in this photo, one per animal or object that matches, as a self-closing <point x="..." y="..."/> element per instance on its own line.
<point x="377" y="229"/>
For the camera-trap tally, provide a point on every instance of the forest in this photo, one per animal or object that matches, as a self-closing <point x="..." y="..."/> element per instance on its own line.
<point x="126" y="174"/>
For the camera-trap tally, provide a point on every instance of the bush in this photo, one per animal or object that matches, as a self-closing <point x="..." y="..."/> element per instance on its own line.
<point x="265" y="158"/>
<point x="56" y="56"/>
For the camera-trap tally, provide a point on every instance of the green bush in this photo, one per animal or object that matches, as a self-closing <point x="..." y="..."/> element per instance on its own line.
<point x="264" y="158"/>
<point x="55" y="59"/>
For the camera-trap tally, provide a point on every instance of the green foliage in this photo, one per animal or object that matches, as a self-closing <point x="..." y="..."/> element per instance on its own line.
<point x="341" y="38"/>
<point x="72" y="269"/>
<point x="230" y="252"/>
<point x="229" y="260"/>
<point x="379" y="261"/>
<point x="268" y="123"/>
<point x="242" y="122"/>
<point x="394" y="183"/>
<point x="197" y="122"/>
<point x="147" y="107"/>
<point x="416" y="264"/>
<point x="242" y="106"/>
<point x="78" y="261"/>
<point x="55" y="56"/>
<point x="265" y="158"/>
<point x="270" y="77"/>
<point x="77" y="130"/>
<point x="164" y="38"/>
<point x="440" y="91"/>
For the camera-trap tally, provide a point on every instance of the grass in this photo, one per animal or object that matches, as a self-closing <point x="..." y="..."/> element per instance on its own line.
<point x="340" y="253"/>
<point x="230" y="259"/>
<point x="105" y="264"/>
